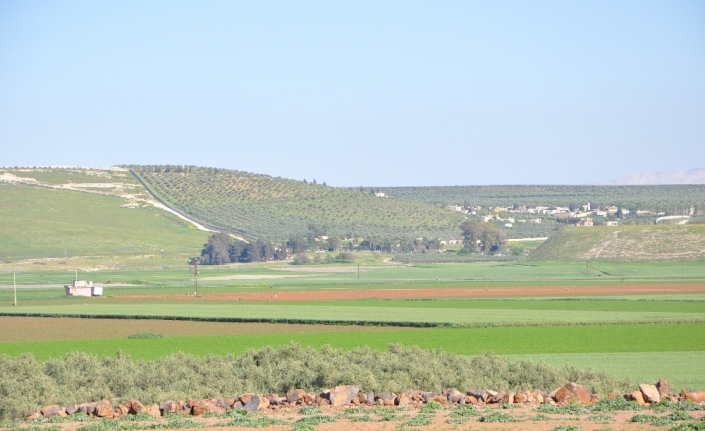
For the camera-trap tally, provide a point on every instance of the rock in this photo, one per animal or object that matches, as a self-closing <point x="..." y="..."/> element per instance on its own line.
<point x="255" y="403"/>
<point x="537" y="396"/>
<point x="72" y="409"/>
<point x="103" y="409"/>
<point x="153" y="409"/>
<point x="87" y="408"/>
<point x="362" y="398"/>
<point x="573" y="392"/>
<point x="440" y="399"/>
<point x="479" y="395"/>
<point x="342" y="395"/>
<point x="662" y="387"/>
<point x="521" y="398"/>
<point x="136" y="407"/>
<point x="693" y="396"/>
<point x="455" y="396"/>
<point x="167" y="407"/>
<point x="635" y="396"/>
<point x="122" y="409"/>
<point x="370" y="398"/>
<point x="427" y="396"/>
<point x="385" y="396"/>
<point x="308" y="399"/>
<point x="469" y="399"/>
<point x="34" y="415"/>
<point x="295" y="395"/>
<point x="650" y="393"/>
<point x="245" y="398"/>
<point x="54" y="412"/>
<point x="402" y="400"/>
<point x="47" y="408"/>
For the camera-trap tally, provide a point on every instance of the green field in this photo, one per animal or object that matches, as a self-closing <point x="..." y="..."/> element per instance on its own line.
<point x="625" y="243"/>
<point x="61" y="224"/>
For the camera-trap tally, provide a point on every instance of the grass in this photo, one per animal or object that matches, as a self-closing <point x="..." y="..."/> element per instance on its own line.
<point x="238" y="311"/>
<point x="60" y="224"/>
<point x="624" y="339"/>
<point x="625" y="243"/>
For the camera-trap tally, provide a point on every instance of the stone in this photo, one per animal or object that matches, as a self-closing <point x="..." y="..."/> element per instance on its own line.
<point x="662" y="387"/>
<point x="636" y="396"/>
<point x="385" y="396"/>
<point x="256" y="403"/>
<point x="370" y="398"/>
<point x="54" y="412"/>
<point x="153" y="409"/>
<point x="362" y="398"/>
<point x="479" y="395"/>
<point x="72" y="409"/>
<point x="521" y="398"/>
<point x="87" y="408"/>
<point x="402" y="400"/>
<point x="34" y="415"/>
<point x="650" y="393"/>
<point x="572" y="392"/>
<point x="427" y="396"/>
<point x="103" y="409"/>
<point x="342" y="395"/>
<point x="455" y="396"/>
<point x="245" y="398"/>
<point x="469" y="399"/>
<point x="440" y="399"/>
<point x="122" y="409"/>
<point x="47" y="408"/>
<point x="136" y="407"/>
<point x="693" y="396"/>
<point x="295" y="395"/>
<point x="167" y="407"/>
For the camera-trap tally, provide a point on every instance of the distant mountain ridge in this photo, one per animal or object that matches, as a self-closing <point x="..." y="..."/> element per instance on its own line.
<point x="681" y="176"/>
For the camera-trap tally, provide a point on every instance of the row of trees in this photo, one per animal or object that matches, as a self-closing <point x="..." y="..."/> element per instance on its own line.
<point x="484" y="236"/>
<point x="221" y="249"/>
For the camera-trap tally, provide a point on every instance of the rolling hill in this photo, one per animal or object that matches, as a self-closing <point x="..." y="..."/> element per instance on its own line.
<point x="65" y="213"/>
<point x="277" y="208"/>
<point x="624" y="243"/>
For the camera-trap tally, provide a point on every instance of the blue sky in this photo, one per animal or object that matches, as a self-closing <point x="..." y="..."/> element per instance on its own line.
<point x="373" y="93"/>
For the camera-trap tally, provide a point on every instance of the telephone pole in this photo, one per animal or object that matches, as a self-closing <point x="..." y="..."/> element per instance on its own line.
<point x="14" y="283"/>
<point x="194" y="262"/>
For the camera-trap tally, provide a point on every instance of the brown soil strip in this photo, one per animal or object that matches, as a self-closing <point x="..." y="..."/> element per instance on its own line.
<point x="445" y="292"/>
<point x="68" y="328"/>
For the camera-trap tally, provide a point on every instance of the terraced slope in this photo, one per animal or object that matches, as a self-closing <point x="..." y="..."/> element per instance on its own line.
<point x="625" y="243"/>
<point x="277" y="208"/>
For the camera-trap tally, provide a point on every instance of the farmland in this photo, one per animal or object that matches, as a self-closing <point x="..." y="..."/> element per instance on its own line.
<point x="277" y="208"/>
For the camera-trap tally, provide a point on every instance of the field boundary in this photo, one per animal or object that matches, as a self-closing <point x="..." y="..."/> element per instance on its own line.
<point x="191" y="218"/>
<point x="353" y="322"/>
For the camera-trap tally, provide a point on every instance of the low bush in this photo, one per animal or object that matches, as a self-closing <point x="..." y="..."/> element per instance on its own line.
<point x="144" y="336"/>
<point x="27" y="383"/>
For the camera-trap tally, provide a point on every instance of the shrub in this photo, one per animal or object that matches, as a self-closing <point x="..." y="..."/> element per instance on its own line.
<point x="26" y="383"/>
<point x="144" y="336"/>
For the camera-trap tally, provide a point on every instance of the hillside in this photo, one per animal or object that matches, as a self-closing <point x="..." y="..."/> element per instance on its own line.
<point x="676" y="199"/>
<point x="625" y="243"/>
<point x="64" y="214"/>
<point x="277" y="208"/>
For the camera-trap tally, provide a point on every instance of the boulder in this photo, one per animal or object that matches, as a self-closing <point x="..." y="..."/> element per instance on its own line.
<point x="54" y="412"/>
<point x="245" y="398"/>
<point x="87" y="408"/>
<point x="650" y="393"/>
<point x="122" y="409"/>
<point x="295" y="395"/>
<point x="427" y="396"/>
<point x="469" y="399"/>
<point x="440" y="399"/>
<point x="34" y="415"/>
<point x="103" y="409"/>
<point x="370" y="398"/>
<point x="479" y="395"/>
<point x="521" y="398"/>
<point x="662" y="387"/>
<point x="693" y="396"/>
<point x="136" y="407"/>
<point x="153" y="409"/>
<point x="256" y="403"/>
<point x="362" y="398"/>
<point x="72" y="409"/>
<point x="636" y="396"/>
<point x="47" y="408"/>
<point x="455" y="396"/>
<point x="385" y="396"/>
<point x="342" y="395"/>
<point x="537" y="396"/>
<point x="166" y="407"/>
<point x="572" y="392"/>
<point x="402" y="400"/>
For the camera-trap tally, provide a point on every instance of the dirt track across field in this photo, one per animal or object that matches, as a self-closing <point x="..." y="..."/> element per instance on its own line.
<point x="445" y="292"/>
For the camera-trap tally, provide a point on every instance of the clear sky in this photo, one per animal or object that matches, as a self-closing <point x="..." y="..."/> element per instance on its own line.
<point x="375" y="93"/>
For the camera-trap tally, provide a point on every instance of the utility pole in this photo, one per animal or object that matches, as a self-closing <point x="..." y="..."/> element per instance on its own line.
<point x="587" y="268"/>
<point x="358" y="272"/>
<point x="194" y="262"/>
<point x="14" y="283"/>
